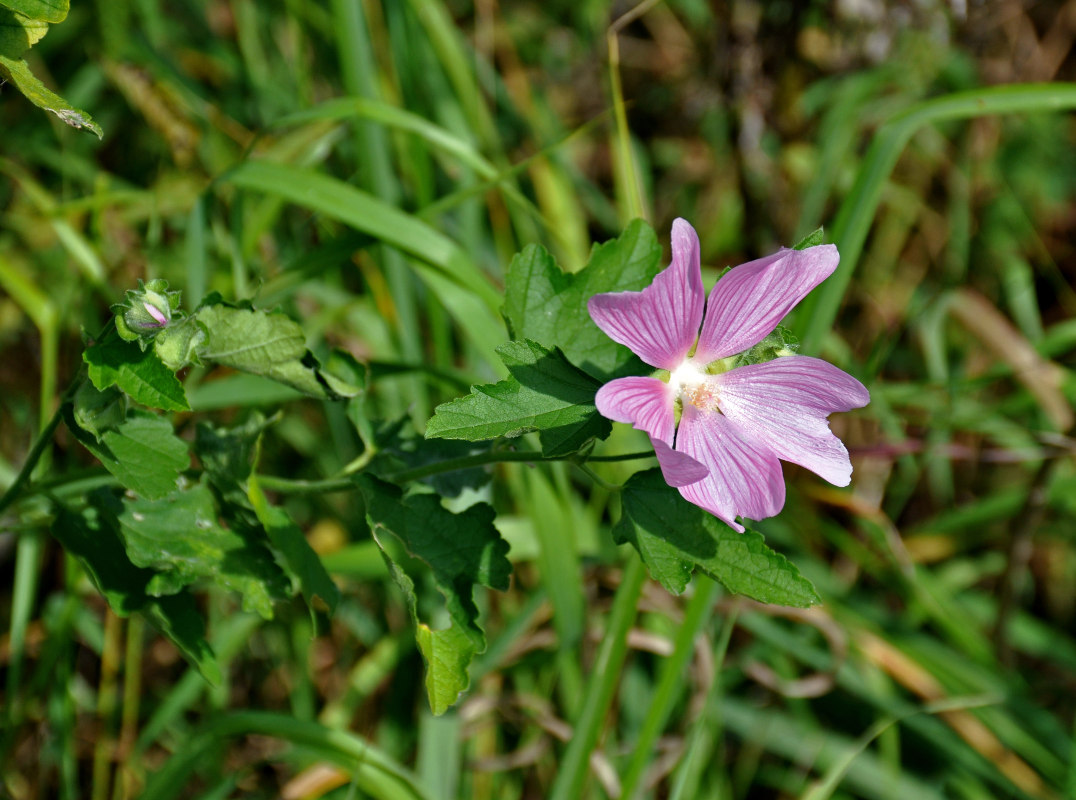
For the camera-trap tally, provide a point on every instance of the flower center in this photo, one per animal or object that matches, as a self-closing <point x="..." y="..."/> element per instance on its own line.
<point x="691" y="385"/>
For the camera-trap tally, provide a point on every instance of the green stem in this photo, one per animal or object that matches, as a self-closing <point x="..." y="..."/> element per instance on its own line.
<point x="858" y="210"/>
<point x="343" y="484"/>
<point x="669" y="682"/>
<point x="604" y="677"/>
<point x="44" y="439"/>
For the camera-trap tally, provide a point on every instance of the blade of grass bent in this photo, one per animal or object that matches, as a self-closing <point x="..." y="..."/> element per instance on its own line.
<point x="859" y="208"/>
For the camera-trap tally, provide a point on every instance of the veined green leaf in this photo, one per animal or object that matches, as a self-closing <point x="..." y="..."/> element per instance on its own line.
<point x="139" y="373"/>
<point x="674" y="537"/>
<point x="462" y="550"/>
<point x="92" y="536"/>
<point x="544" y="392"/>
<point x="18" y="72"/>
<point x="549" y="306"/>
<point x="265" y="343"/>
<point x="293" y="552"/>
<point x="179" y="538"/>
<point x="18" y="33"/>
<point x="47" y="10"/>
<point x="143" y="452"/>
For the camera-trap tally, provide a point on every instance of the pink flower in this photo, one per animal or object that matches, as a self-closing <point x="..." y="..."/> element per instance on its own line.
<point x="719" y="431"/>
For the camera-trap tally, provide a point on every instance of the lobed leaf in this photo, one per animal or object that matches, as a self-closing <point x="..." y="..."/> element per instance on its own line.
<point x="92" y="536"/>
<point x="265" y="343"/>
<point x="674" y="538"/>
<point x="139" y="373"/>
<point x="543" y="392"/>
<point x="549" y="306"/>
<point x="142" y="452"/>
<point x="180" y="539"/>
<point x="462" y="550"/>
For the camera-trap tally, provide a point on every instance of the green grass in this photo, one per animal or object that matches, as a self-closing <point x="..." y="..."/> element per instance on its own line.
<point x="371" y="168"/>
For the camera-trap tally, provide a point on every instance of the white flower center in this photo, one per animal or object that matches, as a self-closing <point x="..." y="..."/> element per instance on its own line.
<point x="692" y="385"/>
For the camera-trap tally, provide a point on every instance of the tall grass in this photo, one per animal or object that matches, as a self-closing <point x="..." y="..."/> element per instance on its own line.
<point x="371" y="167"/>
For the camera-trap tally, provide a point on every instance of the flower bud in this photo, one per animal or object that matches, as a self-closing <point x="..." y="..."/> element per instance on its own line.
<point x="147" y="311"/>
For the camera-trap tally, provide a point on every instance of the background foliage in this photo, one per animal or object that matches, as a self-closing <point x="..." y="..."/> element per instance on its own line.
<point x="372" y="168"/>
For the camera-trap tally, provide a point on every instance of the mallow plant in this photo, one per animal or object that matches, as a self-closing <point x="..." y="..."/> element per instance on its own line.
<point x="716" y="383"/>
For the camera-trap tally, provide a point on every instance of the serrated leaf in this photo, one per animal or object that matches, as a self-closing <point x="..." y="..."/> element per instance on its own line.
<point x="674" y="537"/>
<point x="447" y="652"/>
<point x="180" y="539"/>
<point x="546" y="305"/>
<point x="143" y="452"/>
<point x="139" y="373"/>
<point x="92" y="537"/>
<point x="47" y="10"/>
<point x="544" y="392"/>
<point x="266" y="343"/>
<point x="812" y="239"/>
<point x="18" y="72"/>
<point x="293" y="552"/>
<point x="461" y="550"/>
<point x="19" y="32"/>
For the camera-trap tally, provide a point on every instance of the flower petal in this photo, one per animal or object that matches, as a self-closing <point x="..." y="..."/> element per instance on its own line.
<point x="678" y="469"/>
<point x="784" y="403"/>
<point x="659" y="323"/>
<point x="745" y="477"/>
<point x="646" y="403"/>
<point x="749" y="300"/>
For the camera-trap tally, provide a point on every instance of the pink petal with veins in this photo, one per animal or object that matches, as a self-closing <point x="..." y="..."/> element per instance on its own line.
<point x="749" y="300"/>
<point x="745" y="477"/>
<point x="660" y="323"/>
<point x="646" y="403"/>
<point x="784" y="403"/>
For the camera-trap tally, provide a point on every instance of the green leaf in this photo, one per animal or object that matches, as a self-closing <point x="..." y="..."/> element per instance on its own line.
<point x="674" y="537"/>
<point x="447" y="652"/>
<point x="18" y="72"/>
<point x="544" y="392"/>
<point x="18" y="33"/>
<point x="47" y="10"/>
<point x="97" y="411"/>
<point x="293" y="552"/>
<point x="229" y="455"/>
<point x="178" y="618"/>
<point x="92" y="536"/>
<point x="179" y="538"/>
<point x="143" y="452"/>
<point x="549" y="306"/>
<point x="812" y="239"/>
<point x="140" y="374"/>
<point x="265" y="343"/>
<point x="461" y="550"/>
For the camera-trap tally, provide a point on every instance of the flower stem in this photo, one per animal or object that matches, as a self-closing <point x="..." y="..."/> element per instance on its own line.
<point x="343" y="483"/>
